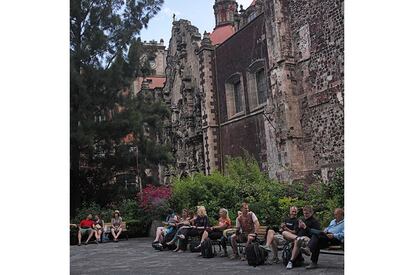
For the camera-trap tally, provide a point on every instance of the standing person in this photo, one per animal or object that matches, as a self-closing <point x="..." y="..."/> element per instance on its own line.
<point x="247" y="226"/>
<point x="116" y="223"/>
<point x="86" y="226"/>
<point x="274" y="239"/>
<point x="216" y="232"/>
<point x="332" y="235"/>
<point x="99" y="227"/>
<point x="304" y="233"/>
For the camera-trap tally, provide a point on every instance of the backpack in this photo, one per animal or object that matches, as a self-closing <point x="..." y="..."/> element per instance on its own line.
<point x="193" y="245"/>
<point x="255" y="254"/>
<point x="207" y="249"/>
<point x="287" y="253"/>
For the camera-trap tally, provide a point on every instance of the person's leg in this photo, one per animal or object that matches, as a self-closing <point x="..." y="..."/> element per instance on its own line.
<point x="270" y="237"/>
<point x="204" y="236"/>
<point x="158" y="233"/>
<point x="223" y="242"/>
<point x="174" y="239"/>
<point x="273" y="245"/>
<point x="314" y="248"/>
<point x="250" y="238"/>
<point x="288" y="236"/>
<point x="79" y="237"/>
<point x="234" y="245"/>
<point x="97" y="235"/>
<point x="119" y="232"/>
<point x="89" y="236"/>
<point x="295" y="253"/>
<point x="113" y="233"/>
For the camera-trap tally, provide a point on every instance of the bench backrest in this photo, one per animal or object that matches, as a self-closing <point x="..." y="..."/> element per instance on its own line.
<point x="261" y="232"/>
<point x="107" y="226"/>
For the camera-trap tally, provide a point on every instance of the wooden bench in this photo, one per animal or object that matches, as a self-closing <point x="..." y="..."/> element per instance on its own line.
<point x="107" y="230"/>
<point x="261" y="235"/>
<point x="334" y="250"/>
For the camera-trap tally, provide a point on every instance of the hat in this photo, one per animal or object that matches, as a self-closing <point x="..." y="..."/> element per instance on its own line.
<point x="116" y="211"/>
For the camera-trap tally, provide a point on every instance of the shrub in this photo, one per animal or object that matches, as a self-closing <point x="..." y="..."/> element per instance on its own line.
<point x="155" y="200"/>
<point x="243" y="181"/>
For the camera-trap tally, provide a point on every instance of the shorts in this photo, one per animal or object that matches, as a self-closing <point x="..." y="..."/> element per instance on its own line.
<point x="84" y="231"/>
<point x="242" y="238"/>
<point x="280" y="239"/>
<point x="303" y="241"/>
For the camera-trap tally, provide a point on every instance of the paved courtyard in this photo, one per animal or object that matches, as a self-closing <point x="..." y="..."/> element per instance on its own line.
<point x="136" y="256"/>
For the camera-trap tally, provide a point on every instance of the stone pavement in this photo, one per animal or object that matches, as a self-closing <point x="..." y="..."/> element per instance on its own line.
<point x="136" y="256"/>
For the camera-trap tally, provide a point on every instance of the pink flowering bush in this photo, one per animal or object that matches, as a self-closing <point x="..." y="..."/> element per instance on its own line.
<point x="154" y="200"/>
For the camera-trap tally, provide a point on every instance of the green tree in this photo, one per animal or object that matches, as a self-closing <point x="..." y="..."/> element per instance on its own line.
<point x="104" y="60"/>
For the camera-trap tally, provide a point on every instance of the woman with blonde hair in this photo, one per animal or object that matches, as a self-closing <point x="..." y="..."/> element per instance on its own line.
<point x="216" y="232"/>
<point x="200" y="223"/>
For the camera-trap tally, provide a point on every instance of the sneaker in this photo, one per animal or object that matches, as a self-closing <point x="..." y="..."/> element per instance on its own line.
<point x="289" y="265"/>
<point x="242" y="258"/>
<point x="79" y="244"/>
<point x="305" y="250"/>
<point x="266" y="247"/>
<point x="311" y="266"/>
<point x="96" y="241"/>
<point x="276" y="260"/>
<point x="234" y="257"/>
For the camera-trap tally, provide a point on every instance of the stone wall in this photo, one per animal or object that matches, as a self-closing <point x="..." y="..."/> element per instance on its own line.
<point x="182" y="95"/>
<point x="306" y="54"/>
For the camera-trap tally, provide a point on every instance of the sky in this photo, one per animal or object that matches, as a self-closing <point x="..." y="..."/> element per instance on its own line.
<point x="199" y="12"/>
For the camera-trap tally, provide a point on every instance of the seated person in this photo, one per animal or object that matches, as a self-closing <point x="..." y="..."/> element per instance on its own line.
<point x="273" y="239"/>
<point x="116" y="223"/>
<point x="184" y="223"/>
<point x="169" y="226"/>
<point x="304" y="233"/>
<point x="247" y="225"/>
<point x="200" y="224"/>
<point x="86" y="226"/>
<point x="332" y="235"/>
<point x="99" y="227"/>
<point x="216" y="232"/>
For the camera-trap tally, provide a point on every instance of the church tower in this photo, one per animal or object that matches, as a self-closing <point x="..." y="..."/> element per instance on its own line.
<point x="225" y="12"/>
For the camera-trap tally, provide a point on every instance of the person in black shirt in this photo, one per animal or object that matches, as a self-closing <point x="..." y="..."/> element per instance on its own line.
<point x="200" y="224"/>
<point x="273" y="239"/>
<point x="303" y="230"/>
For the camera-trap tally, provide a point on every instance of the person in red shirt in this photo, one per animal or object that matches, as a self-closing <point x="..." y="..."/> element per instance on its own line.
<point x="86" y="226"/>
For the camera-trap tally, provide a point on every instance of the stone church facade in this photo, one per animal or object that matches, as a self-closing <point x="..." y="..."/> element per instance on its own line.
<point x="268" y="80"/>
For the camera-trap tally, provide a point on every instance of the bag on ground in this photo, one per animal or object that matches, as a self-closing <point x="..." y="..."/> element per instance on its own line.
<point x="287" y="254"/>
<point x="207" y="249"/>
<point x="255" y="254"/>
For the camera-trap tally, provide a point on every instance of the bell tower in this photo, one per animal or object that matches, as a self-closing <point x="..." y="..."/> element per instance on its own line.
<point x="225" y="11"/>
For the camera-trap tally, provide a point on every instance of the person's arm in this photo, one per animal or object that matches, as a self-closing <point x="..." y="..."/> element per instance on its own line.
<point x="256" y="223"/>
<point x="224" y="226"/>
<point x="237" y="226"/>
<point x="313" y="225"/>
